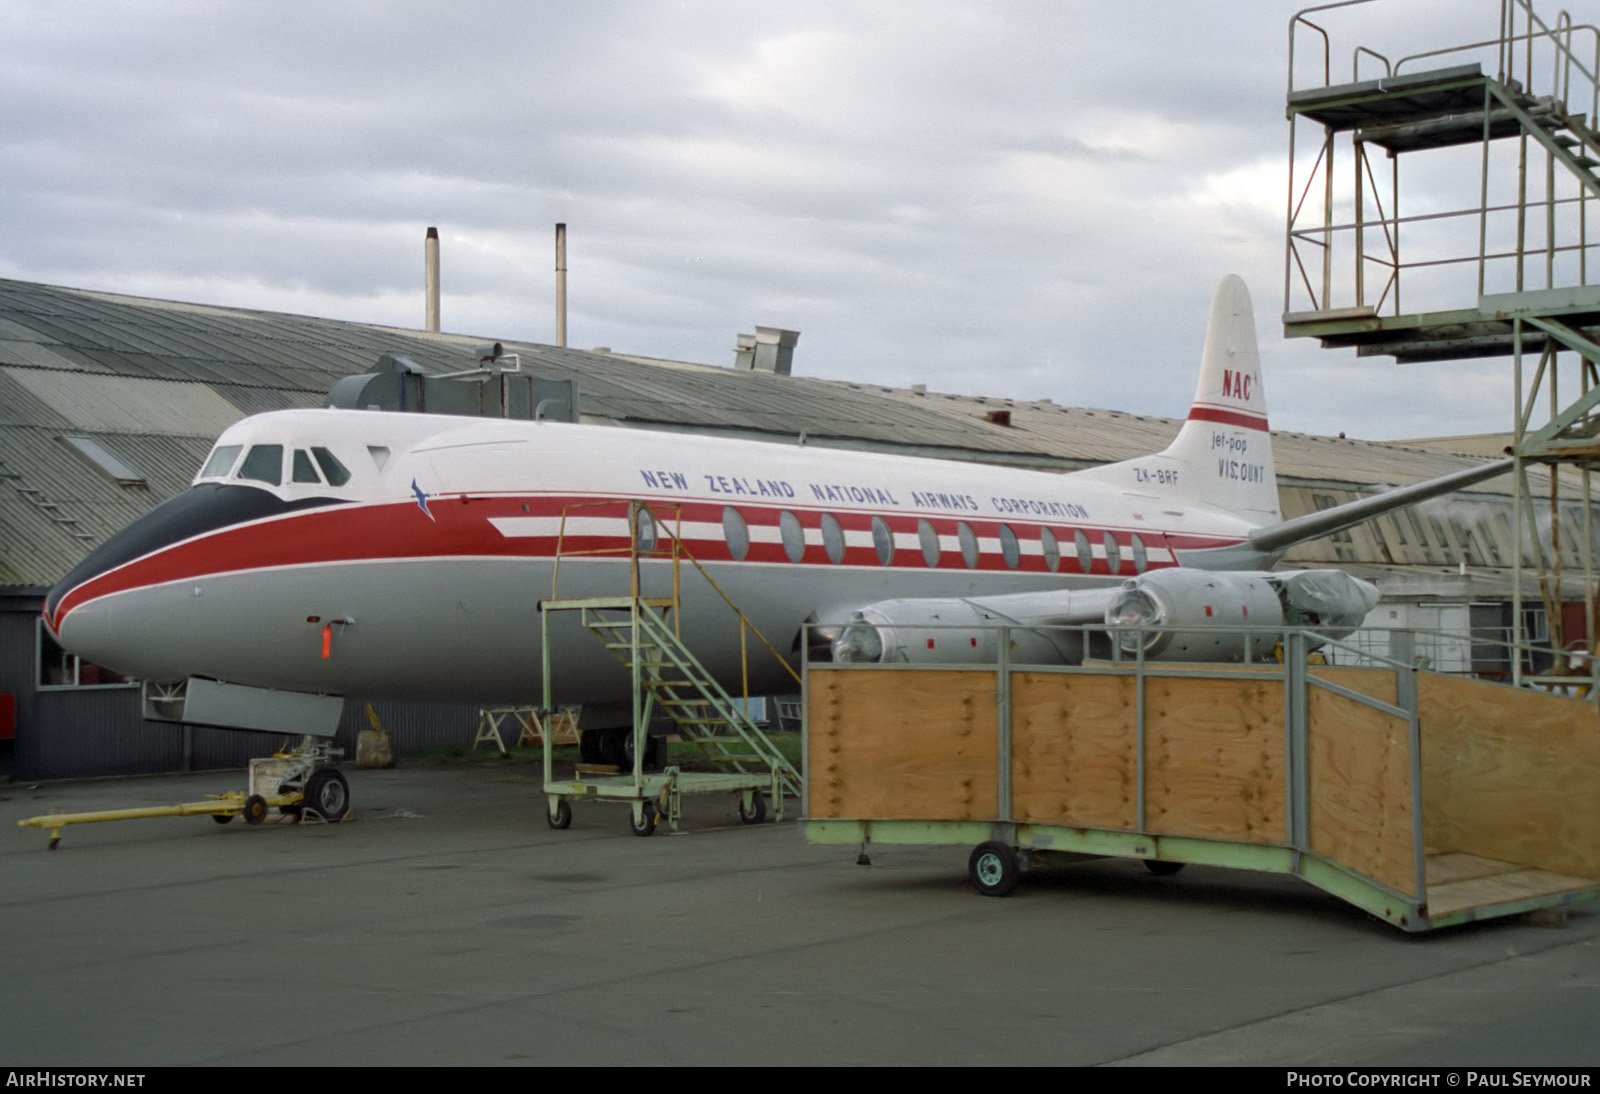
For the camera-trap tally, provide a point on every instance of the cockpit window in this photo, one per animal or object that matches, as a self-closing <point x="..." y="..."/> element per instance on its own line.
<point x="303" y="471"/>
<point x="264" y="463"/>
<point x="335" y="471"/>
<point x="221" y="462"/>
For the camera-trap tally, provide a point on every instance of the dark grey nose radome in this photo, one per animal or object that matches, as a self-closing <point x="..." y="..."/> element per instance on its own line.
<point x="207" y="507"/>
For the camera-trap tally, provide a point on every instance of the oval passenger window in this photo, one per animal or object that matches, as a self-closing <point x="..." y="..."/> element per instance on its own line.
<point x="1010" y="549"/>
<point x="794" y="536"/>
<point x="1052" y="549"/>
<point x="736" y="533"/>
<point x="929" y="540"/>
<point x="832" y="538"/>
<point x="969" y="544"/>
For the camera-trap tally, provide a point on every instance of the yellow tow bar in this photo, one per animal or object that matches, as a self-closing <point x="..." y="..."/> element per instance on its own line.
<point x="221" y="808"/>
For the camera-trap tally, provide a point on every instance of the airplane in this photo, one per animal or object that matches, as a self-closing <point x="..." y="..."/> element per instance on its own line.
<point x="332" y="552"/>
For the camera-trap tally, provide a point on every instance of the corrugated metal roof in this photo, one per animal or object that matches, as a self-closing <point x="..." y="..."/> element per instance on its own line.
<point x="154" y="381"/>
<point x="39" y="355"/>
<point x="129" y="404"/>
<point x="19" y="406"/>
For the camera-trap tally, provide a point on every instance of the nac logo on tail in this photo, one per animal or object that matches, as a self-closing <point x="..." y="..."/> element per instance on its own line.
<point x="1236" y="385"/>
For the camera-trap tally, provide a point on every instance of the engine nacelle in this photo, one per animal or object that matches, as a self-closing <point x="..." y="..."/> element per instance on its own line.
<point x="1182" y="598"/>
<point x="947" y="631"/>
<point x="1169" y="601"/>
<point x="1178" y="615"/>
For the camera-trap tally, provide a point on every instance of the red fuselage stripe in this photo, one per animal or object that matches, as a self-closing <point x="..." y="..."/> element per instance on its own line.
<point x="460" y="526"/>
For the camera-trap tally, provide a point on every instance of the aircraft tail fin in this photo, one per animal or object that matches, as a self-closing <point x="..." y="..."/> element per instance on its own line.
<point x="1222" y="457"/>
<point x="1224" y="449"/>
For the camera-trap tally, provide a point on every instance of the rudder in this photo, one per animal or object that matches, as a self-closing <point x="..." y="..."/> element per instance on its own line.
<point x="1222" y="457"/>
<point x="1225" y="447"/>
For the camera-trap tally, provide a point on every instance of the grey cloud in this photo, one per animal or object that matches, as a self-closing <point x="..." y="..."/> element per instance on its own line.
<point x="1010" y="198"/>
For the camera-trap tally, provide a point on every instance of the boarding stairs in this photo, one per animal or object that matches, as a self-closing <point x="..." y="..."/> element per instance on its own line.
<point x="644" y="634"/>
<point x="638" y="631"/>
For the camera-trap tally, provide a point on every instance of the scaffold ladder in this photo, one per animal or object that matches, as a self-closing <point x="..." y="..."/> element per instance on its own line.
<point x="637" y="631"/>
<point x="644" y="634"/>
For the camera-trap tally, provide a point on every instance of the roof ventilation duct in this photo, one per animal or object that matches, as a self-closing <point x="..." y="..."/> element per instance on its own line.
<point x="769" y="349"/>
<point x="497" y="389"/>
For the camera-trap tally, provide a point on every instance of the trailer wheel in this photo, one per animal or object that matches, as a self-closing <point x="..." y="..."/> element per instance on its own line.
<point x="757" y="811"/>
<point x="993" y="868"/>
<point x="222" y="818"/>
<point x="562" y="817"/>
<point x="1162" y="868"/>
<point x="327" y="793"/>
<point x="255" y="809"/>
<point x="646" y="824"/>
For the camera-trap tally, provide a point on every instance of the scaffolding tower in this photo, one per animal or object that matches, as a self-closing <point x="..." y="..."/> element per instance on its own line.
<point x="1501" y="148"/>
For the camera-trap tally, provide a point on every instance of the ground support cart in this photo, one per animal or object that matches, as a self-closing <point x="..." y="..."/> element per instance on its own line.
<point x="1425" y="799"/>
<point x="300" y="782"/>
<point x="657" y="797"/>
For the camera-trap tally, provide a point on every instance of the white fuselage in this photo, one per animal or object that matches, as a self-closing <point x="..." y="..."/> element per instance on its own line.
<point x="420" y="574"/>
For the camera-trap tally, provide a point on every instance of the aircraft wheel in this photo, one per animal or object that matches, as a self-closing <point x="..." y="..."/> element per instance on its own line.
<point x="288" y="810"/>
<point x="590" y="746"/>
<point x="646" y="824"/>
<point x="993" y="868"/>
<point x="1161" y="868"/>
<point x="255" y="809"/>
<point x="757" y="811"/>
<point x="222" y="818"/>
<point x="328" y="793"/>
<point x="655" y="750"/>
<point x="561" y="817"/>
<point x="614" y="748"/>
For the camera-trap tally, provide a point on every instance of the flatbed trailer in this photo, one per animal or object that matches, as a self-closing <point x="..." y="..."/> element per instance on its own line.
<point x="1427" y="800"/>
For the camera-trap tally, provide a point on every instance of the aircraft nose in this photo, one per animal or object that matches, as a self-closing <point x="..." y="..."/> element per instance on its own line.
<point x="200" y="509"/>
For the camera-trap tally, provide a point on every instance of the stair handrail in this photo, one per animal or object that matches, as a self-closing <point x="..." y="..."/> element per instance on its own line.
<point x="682" y="550"/>
<point x="678" y="549"/>
<point x="632" y="550"/>
<point x="718" y="695"/>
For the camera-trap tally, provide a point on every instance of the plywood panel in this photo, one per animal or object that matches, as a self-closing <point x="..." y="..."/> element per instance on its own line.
<point x="1073" y="758"/>
<point x="1360" y="809"/>
<point x="1458" y="896"/>
<point x="1511" y="774"/>
<point x="1442" y="869"/>
<point x="913" y="745"/>
<point x="1214" y="759"/>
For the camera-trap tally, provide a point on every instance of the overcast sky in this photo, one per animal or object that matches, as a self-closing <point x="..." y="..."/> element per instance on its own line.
<point x="1028" y="199"/>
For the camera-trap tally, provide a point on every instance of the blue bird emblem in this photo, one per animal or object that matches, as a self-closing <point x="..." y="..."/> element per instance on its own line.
<point x="422" y="498"/>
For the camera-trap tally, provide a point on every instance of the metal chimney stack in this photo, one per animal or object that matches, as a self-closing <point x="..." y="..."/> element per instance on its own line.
<point x="561" y="284"/>
<point x="431" y="280"/>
